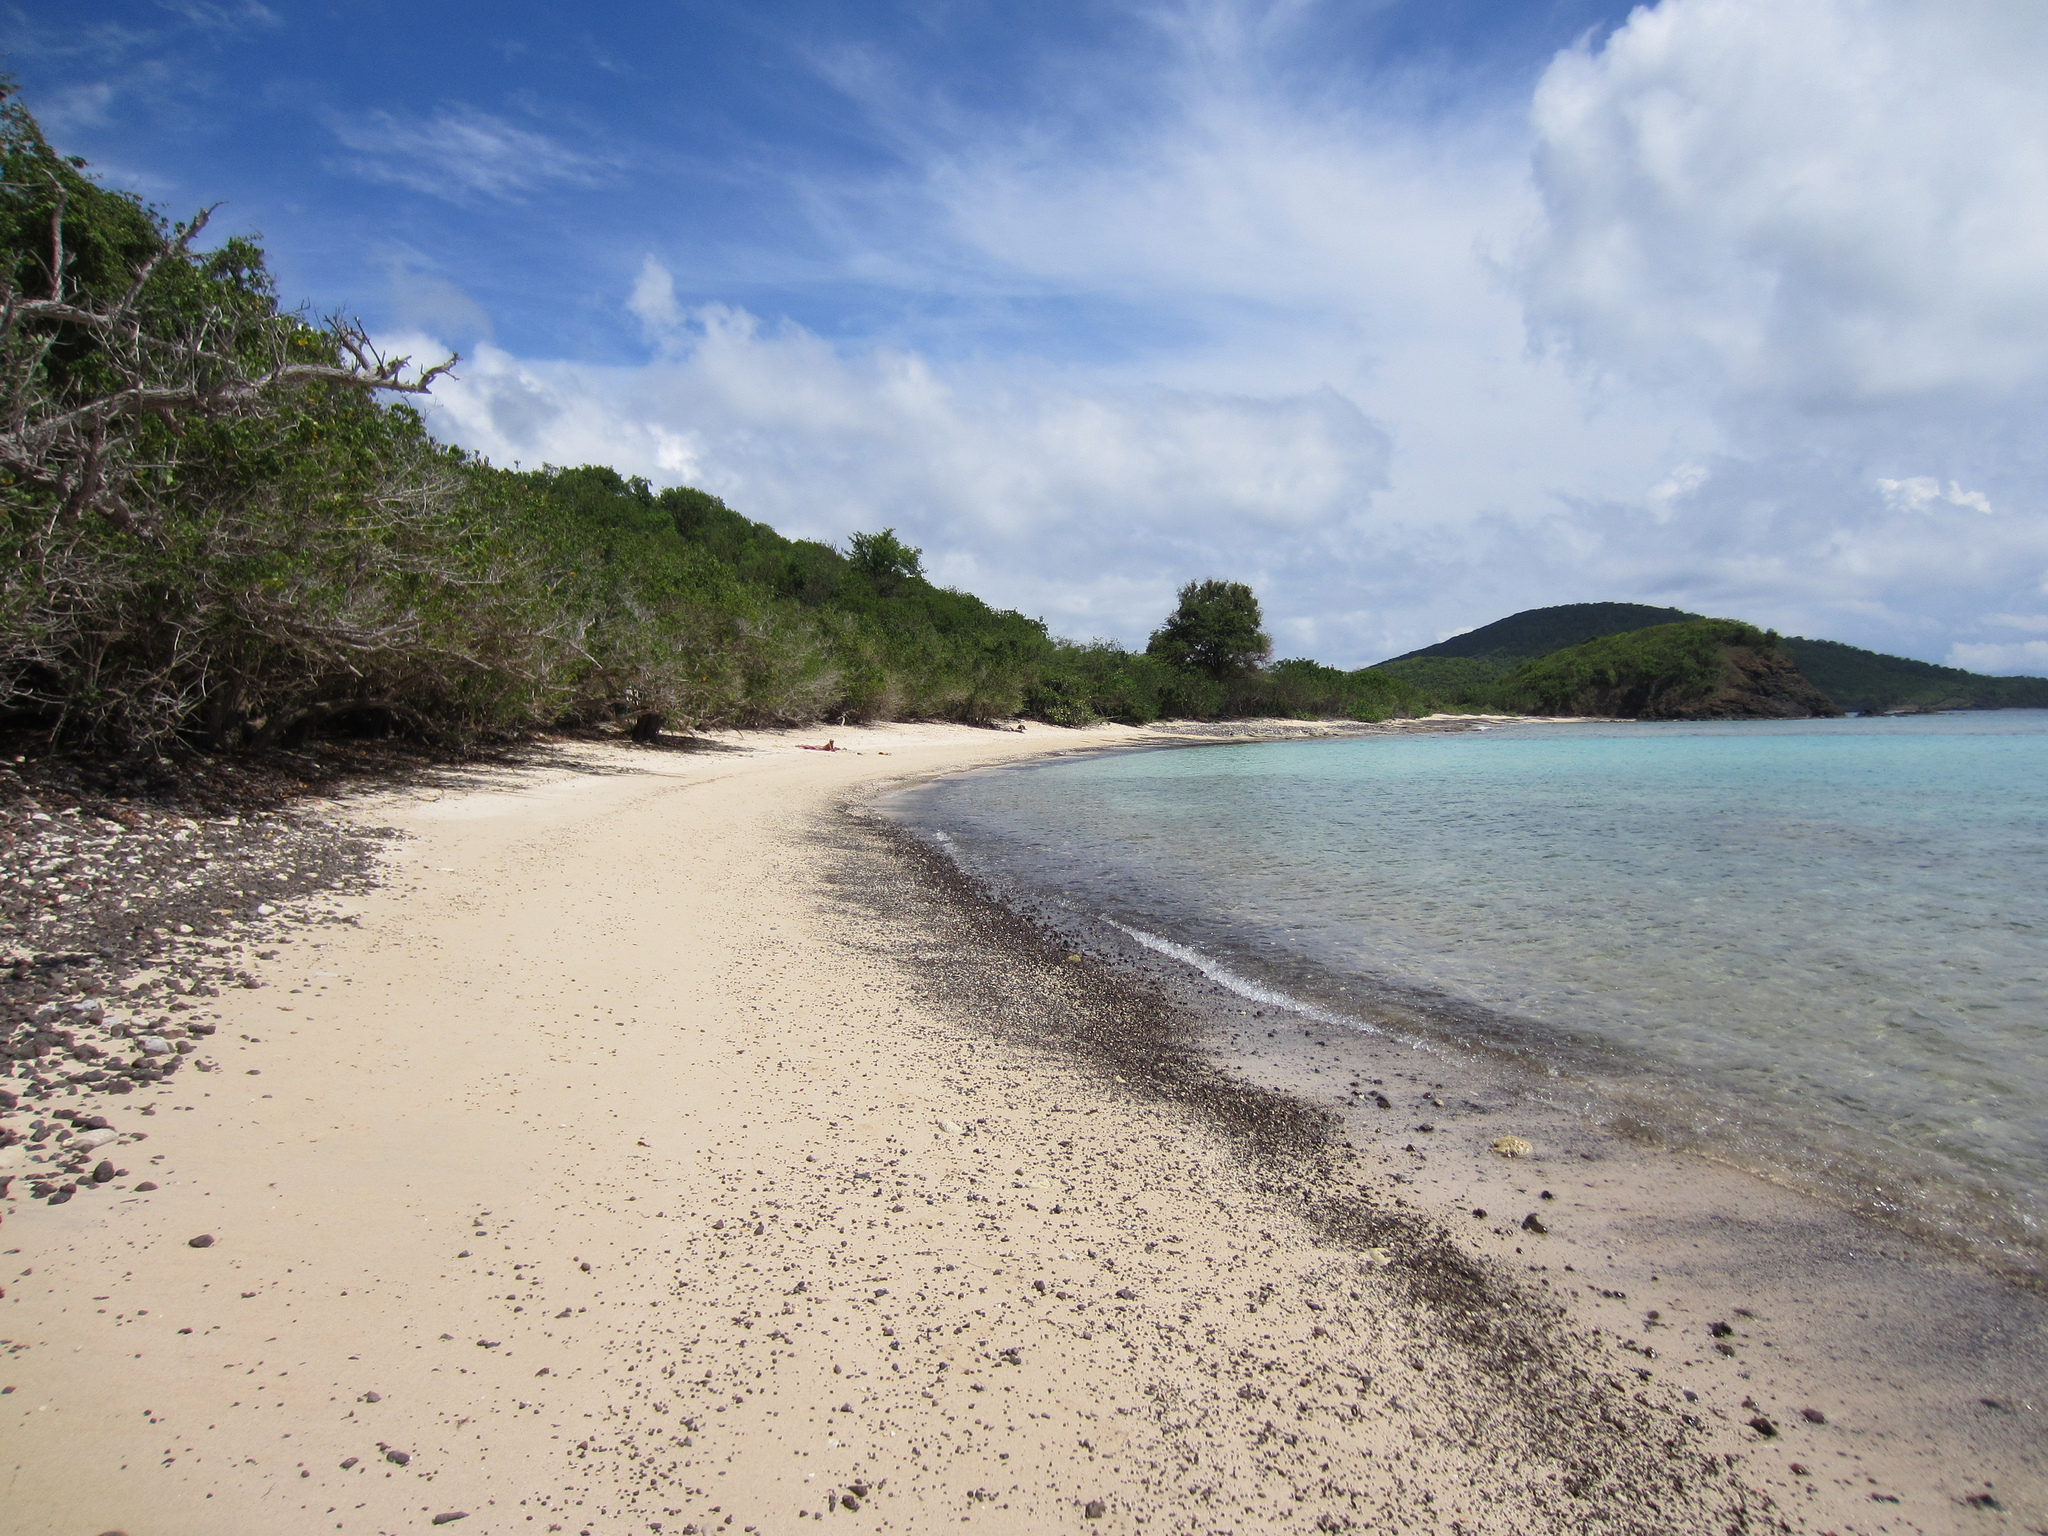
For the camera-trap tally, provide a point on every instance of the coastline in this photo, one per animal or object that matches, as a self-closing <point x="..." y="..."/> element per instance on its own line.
<point x="762" y="1135"/>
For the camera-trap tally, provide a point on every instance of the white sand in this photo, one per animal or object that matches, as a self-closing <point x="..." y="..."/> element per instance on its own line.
<point x="607" y="1149"/>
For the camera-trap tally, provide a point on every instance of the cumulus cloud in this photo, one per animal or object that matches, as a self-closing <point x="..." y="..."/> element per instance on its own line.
<point x="1086" y="506"/>
<point x="1831" y="201"/>
<point x="1825" y="224"/>
<point x="1781" y="261"/>
<point x="461" y="153"/>
<point x="653" y="298"/>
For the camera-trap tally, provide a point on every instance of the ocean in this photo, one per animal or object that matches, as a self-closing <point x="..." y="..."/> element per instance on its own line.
<point x="1814" y="949"/>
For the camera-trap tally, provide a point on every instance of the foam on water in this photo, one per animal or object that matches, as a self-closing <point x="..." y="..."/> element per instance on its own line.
<point x="1815" y="947"/>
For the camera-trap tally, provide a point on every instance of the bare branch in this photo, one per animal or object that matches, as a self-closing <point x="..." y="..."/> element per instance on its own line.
<point x="223" y="362"/>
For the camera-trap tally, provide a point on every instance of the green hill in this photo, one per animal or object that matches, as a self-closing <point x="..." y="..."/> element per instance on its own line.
<point x="1539" y="631"/>
<point x="1469" y="663"/>
<point x="1869" y="681"/>
<point x="1467" y="669"/>
<point x="1702" y="669"/>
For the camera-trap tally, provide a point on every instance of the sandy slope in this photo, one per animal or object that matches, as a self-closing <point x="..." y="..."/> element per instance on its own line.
<point x="663" y="1153"/>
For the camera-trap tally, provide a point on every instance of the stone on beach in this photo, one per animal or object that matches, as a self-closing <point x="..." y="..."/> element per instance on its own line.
<point x="1512" y="1146"/>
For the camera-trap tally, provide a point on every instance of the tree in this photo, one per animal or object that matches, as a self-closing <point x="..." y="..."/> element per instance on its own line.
<point x="1215" y="631"/>
<point x="202" y="513"/>
<point x="884" y="559"/>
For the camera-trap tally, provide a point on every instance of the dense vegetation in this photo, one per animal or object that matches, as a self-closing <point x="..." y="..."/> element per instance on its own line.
<point x="1468" y="671"/>
<point x="1870" y="681"/>
<point x="1466" y="668"/>
<point x="1538" y="631"/>
<point x="1665" y="672"/>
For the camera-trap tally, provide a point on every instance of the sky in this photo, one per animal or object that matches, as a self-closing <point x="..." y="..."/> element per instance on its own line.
<point x="1410" y="313"/>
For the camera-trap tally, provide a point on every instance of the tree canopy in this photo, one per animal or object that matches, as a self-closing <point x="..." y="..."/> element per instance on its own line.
<point x="1214" y="631"/>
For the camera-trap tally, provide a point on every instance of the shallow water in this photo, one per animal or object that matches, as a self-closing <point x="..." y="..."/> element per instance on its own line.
<point x="1813" y="947"/>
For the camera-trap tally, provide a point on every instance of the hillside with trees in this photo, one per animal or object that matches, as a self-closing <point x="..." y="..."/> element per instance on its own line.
<point x="225" y="528"/>
<point x="1871" y="682"/>
<point x="1466" y="671"/>
<point x="1703" y="669"/>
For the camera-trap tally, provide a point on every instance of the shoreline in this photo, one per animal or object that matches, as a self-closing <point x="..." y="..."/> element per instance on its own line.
<point x="693" y="982"/>
<point x="1815" y="1305"/>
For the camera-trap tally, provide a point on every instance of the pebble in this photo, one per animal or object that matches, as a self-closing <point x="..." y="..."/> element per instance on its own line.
<point x="398" y="1458"/>
<point x="144" y="1187"/>
<point x="203" y="1240"/>
<point x="1512" y="1146"/>
<point x="1534" y="1223"/>
<point x="92" y="1140"/>
<point x="453" y="1514"/>
<point x="952" y="1127"/>
<point x="154" y="1045"/>
<point x="1095" y="1509"/>
<point x="104" y="1173"/>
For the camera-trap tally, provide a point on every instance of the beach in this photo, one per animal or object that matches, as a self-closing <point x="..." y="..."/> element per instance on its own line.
<point x="661" y="1141"/>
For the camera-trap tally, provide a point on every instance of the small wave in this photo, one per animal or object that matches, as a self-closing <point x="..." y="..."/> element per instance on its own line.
<point x="1252" y="991"/>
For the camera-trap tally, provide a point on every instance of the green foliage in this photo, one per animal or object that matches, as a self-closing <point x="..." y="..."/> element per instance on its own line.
<point x="1214" y="631"/>
<point x="1871" y="682"/>
<point x="885" y="560"/>
<point x="1452" y="679"/>
<point x="1539" y="631"/>
<point x="1644" y="673"/>
<point x="1309" y="690"/>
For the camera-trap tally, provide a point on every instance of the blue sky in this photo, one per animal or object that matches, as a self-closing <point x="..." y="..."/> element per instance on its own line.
<point x="1412" y="314"/>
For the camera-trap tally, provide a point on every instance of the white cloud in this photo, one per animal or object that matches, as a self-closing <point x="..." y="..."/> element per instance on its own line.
<point x="2036" y="623"/>
<point x="76" y="108"/>
<point x="654" y="297"/>
<point x="222" y="18"/>
<point x="461" y="153"/>
<point x="1823" y="224"/>
<point x="1923" y="492"/>
<point x="2026" y="657"/>
<point x="1783" y="260"/>
<point x="1070" y="503"/>
<point x="1829" y="201"/>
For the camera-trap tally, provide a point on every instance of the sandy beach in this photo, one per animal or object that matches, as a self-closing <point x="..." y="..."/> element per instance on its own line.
<point x="665" y="1143"/>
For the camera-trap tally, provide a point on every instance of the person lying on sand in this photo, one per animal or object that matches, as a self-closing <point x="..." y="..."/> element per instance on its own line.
<point x="830" y="746"/>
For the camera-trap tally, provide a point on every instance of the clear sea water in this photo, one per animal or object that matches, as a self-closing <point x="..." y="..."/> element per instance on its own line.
<point x="1813" y="948"/>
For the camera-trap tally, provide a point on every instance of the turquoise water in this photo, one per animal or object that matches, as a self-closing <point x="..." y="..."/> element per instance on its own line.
<point x="1814" y="947"/>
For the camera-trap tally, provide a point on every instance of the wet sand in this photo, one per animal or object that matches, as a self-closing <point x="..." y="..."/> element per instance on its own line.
<point x="662" y="1147"/>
